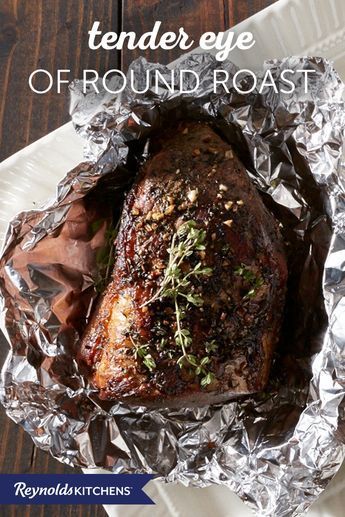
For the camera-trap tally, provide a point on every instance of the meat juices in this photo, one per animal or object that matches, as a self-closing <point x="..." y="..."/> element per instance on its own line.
<point x="206" y="332"/>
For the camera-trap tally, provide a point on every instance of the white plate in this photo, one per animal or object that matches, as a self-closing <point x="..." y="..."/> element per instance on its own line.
<point x="29" y="177"/>
<point x="295" y="27"/>
<point x="288" y="27"/>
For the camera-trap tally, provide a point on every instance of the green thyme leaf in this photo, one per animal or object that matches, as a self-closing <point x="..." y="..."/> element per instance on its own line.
<point x="208" y="379"/>
<point x="192" y="360"/>
<point x="105" y="257"/>
<point x="255" y="281"/>
<point x="163" y="342"/>
<point x="195" y="299"/>
<point x="149" y="362"/>
<point x="143" y="352"/>
<point x="96" y="225"/>
<point x="211" y="346"/>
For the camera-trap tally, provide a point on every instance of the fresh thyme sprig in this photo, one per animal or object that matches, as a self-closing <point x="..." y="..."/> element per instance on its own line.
<point x="105" y="257"/>
<point x="176" y="285"/>
<point x="185" y="242"/>
<point x="143" y="351"/>
<point x="255" y="281"/>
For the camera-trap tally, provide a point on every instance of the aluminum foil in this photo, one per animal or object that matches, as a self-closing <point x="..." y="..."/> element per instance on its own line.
<point x="277" y="450"/>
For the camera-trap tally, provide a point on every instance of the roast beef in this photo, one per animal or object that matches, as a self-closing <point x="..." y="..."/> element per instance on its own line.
<point x="193" y="311"/>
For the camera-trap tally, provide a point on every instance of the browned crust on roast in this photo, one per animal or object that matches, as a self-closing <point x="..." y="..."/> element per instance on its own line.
<point x="192" y="174"/>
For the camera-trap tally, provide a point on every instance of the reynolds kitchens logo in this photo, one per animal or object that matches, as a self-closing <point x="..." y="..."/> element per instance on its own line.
<point x="74" y="489"/>
<point x="26" y="491"/>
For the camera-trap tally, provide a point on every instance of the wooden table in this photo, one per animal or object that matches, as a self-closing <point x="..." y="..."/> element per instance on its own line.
<point x="52" y="34"/>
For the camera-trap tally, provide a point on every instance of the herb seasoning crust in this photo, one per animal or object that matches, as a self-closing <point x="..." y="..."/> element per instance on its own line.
<point x="193" y="311"/>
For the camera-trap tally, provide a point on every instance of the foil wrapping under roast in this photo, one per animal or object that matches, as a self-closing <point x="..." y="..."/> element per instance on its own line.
<point x="277" y="450"/>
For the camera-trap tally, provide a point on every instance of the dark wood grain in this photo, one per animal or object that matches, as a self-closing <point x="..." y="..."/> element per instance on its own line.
<point x="48" y="34"/>
<point x="195" y="16"/>
<point x="52" y="34"/>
